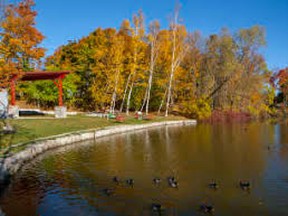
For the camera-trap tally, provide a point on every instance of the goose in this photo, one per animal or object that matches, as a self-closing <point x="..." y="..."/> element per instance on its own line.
<point x="207" y="208"/>
<point x="214" y="185"/>
<point x="172" y="182"/>
<point x="130" y="182"/>
<point x="156" y="207"/>
<point x="108" y="191"/>
<point x="116" y="179"/>
<point x="245" y="185"/>
<point x="171" y="179"/>
<point x="157" y="180"/>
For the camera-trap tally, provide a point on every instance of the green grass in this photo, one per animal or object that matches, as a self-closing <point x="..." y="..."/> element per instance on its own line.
<point x="32" y="129"/>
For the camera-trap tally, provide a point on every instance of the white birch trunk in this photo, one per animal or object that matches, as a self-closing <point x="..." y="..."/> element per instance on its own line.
<point x="152" y="63"/>
<point x="132" y="83"/>
<point x="145" y="99"/>
<point x="129" y="98"/>
<point x="172" y="70"/>
<point x="154" y="28"/>
<point x="125" y="92"/>
<point x="114" y="95"/>
<point x="162" y="102"/>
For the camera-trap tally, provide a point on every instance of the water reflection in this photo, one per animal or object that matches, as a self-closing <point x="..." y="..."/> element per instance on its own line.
<point x="70" y="181"/>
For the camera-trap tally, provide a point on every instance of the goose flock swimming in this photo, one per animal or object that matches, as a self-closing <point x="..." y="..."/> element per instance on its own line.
<point x="173" y="183"/>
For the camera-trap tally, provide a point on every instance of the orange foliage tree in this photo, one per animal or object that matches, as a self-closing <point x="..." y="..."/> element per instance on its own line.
<point x="19" y="41"/>
<point x="283" y="83"/>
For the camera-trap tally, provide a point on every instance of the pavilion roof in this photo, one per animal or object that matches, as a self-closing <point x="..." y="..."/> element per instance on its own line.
<point x="43" y="75"/>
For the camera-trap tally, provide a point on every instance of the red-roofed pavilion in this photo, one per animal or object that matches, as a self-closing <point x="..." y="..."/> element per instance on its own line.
<point x="56" y="77"/>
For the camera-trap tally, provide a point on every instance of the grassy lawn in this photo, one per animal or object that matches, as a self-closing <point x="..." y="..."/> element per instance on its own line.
<point x="32" y="129"/>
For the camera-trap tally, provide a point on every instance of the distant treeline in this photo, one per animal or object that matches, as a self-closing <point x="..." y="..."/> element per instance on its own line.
<point x="166" y="69"/>
<point x="143" y="67"/>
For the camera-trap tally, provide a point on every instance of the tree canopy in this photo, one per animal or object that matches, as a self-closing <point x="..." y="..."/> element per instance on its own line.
<point x="19" y="41"/>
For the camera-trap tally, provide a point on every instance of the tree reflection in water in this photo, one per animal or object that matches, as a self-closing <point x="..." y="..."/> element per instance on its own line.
<point x="71" y="180"/>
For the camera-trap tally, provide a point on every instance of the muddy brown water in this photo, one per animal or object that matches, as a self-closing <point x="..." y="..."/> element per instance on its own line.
<point x="72" y="180"/>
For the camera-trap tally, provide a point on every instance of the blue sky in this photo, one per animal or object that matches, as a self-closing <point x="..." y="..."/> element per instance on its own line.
<point x="63" y="20"/>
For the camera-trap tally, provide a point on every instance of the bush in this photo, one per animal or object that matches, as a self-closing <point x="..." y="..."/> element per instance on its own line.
<point x="199" y="108"/>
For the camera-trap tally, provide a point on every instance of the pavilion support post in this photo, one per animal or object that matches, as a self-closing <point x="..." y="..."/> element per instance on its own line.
<point x="13" y="92"/>
<point x="60" y="110"/>
<point x="60" y="89"/>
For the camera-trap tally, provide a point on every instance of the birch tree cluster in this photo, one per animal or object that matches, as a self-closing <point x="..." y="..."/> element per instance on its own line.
<point x="149" y="69"/>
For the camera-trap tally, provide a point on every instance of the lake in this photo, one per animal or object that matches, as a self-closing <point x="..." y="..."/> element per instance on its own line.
<point x="78" y="179"/>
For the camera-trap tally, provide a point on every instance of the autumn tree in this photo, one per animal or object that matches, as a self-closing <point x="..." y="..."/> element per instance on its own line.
<point x="136" y="55"/>
<point x="117" y="51"/>
<point x="169" y="68"/>
<point x="220" y="66"/>
<point x="179" y="49"/>
<point x="19" y="39"/>
<point x="190" y="90"/>
<point x="153" y="45"/>
<point x="108" y="68"/>
<point x="254" y="73"/>
<point x="280" y="79"/>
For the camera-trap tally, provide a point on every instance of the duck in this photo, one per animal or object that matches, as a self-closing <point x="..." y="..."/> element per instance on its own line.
<point x="157" y="180"/>
<point x="130" y="182"/>
<point x="207" y="208"/>
<point x="245" y="185"/>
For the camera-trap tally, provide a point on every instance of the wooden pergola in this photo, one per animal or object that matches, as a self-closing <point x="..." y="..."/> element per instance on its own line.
<point x="56" y="77"/>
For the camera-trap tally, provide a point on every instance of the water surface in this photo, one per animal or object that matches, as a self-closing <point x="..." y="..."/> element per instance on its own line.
<point x="71" y="180"/>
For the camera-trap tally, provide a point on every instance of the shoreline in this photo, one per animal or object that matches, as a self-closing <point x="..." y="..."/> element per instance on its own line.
<point x="11" y="164"/>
